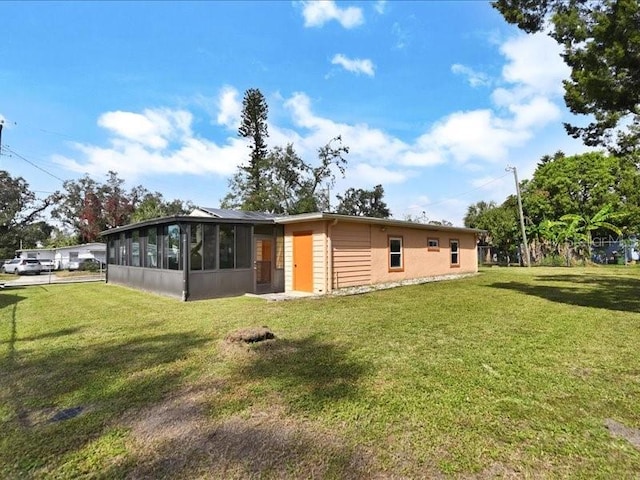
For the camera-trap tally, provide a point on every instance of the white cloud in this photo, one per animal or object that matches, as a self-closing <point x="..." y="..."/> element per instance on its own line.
<point x="152" y="128"/>
<point x="155" y="141"/>
<point x="230" y="108"/>
<point x="355" y="65"/>
<point x="366" y="174"/>
<point x="379" y="6"/>
<point x="475" y="79"/>
<point x="534" y="62"/>
<point x="318" y="12"/>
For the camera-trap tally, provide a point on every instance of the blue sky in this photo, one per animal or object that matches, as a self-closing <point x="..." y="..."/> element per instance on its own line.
<point x="434" y="99"/>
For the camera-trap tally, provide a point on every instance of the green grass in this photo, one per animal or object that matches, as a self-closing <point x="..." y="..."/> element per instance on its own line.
<point x="512" y="373"/>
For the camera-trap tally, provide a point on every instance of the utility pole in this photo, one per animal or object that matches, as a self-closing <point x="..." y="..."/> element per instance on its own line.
<point x="524" y="233"/>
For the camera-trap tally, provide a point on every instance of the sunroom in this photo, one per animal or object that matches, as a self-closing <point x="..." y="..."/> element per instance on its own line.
<point x="197" y="257"/>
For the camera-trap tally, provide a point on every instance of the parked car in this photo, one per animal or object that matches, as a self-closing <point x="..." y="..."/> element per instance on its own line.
<point x="87" y="264"/>
<point x="10" y="266"/>
<point x="47" y="265"/>
<point x="22" y="266"/>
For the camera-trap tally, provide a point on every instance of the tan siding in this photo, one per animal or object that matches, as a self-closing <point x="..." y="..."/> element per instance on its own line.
<point x="351" y="255"/>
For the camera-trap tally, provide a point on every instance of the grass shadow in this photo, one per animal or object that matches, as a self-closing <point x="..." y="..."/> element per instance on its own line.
<point x="10" y="297"/>
<point x="596" y="291"/>
<point x="310" y="374"/>
<point x="105" y="378"/>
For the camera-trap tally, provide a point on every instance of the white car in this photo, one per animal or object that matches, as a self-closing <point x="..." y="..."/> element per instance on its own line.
<point x="22" y="266"/>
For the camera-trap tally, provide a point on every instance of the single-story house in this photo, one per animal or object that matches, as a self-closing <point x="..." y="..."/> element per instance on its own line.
<point x="61" y="256"/>
<point x="215" y="252"/>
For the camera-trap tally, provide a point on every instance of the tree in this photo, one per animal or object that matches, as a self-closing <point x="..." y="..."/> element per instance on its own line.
<point x="19" y="212"/>
<point x="476" y="212"/>
<point x="601" y="45"/>
<point x="289" y="184"/>
<point x="87" y="207"/>
<point x="153" y="205"/>
<point x="253" y="125"/>
<point x="580" y="227"/>
<point x="501" y="223"/>
<point x="363" y="203"/>
<point x="579" y="184"/>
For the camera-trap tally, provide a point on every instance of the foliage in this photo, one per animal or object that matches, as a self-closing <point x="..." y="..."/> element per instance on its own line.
<point x="581" y="185"/>
<point x="289" y="185"/>
<point x="19" y="212"/>
<point x="601" y="45"/>
<point x="253" y="125"/>
<point x="153" y="205"/>
<point x="500" y="222"/>
<point x="363" y="203"/>
<point x="580" y="227"/>
<point x="515" y="373"/>
<point x="87" y="207"/>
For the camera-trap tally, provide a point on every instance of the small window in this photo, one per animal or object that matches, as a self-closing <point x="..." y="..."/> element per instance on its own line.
<point x="433" y="244"/>
<point x="455" y="253"/>
<point x="395" y="254"/>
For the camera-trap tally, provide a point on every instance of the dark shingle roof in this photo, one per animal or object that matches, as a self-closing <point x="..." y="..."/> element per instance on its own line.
<point x="237" y="214"/>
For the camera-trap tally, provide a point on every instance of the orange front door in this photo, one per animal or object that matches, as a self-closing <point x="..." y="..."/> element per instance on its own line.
<point x="303" y="262"/>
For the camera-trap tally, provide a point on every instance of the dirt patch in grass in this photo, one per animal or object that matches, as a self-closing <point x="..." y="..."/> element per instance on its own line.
<point x="250" y="335"/>
<point x="617" y="429"/>
<point x="179" y="437"/>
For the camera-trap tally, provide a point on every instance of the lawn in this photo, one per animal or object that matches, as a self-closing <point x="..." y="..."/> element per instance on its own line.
<point x="525" y="373"/>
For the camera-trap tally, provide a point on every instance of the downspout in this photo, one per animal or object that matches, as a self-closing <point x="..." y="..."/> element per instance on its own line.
<point x="329" y="277"/>
<point x="185" y="261"/>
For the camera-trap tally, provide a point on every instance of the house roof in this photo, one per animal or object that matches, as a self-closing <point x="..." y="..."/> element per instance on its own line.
<point x="234" y="214"/>
<point x="315" y="216"/>
<point x="219" y="215"/>
<point x="94" y="245"/>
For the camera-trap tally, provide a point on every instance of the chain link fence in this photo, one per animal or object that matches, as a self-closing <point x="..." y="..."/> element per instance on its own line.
<point x="603" y="251"/>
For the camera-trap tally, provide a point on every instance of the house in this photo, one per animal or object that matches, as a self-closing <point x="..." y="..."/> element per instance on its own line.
<point x="215" y="252"/>
<point x="60" y="257"/>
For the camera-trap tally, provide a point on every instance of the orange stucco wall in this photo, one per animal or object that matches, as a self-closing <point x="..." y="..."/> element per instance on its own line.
<point x="353" y="253"/>
<point x="418" y="259"/>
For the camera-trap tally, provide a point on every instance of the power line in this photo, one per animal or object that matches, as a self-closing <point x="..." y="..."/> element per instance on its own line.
<point x="13" y="152"/>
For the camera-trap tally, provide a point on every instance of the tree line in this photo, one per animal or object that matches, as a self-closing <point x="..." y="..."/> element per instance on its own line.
<point x="573" y="198"/>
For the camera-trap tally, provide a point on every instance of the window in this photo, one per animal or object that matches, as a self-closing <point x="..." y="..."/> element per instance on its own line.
<point x="455" y="253"/>
<point x="395" y="253"/>
<point x="111" y="259"/>
<point x="227" y="245"/>
<point x="280" y="252"/>
<point x="433" y="244"/>
<point x="209" y="247"/>
<point x="135" y="248"/>
<point x="151" y="257"/>
<point x="122" y="254"/>
<point x="196" y="247"/>
<point x="235" y="246"/>
<point x="172" y="258"/>
<point x="243" y="246"/>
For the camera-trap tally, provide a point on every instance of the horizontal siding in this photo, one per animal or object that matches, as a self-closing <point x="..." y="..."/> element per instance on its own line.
<point x="351" y="255"/>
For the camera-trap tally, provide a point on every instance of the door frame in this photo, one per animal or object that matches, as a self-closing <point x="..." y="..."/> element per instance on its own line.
<point x="263" y="287"/>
